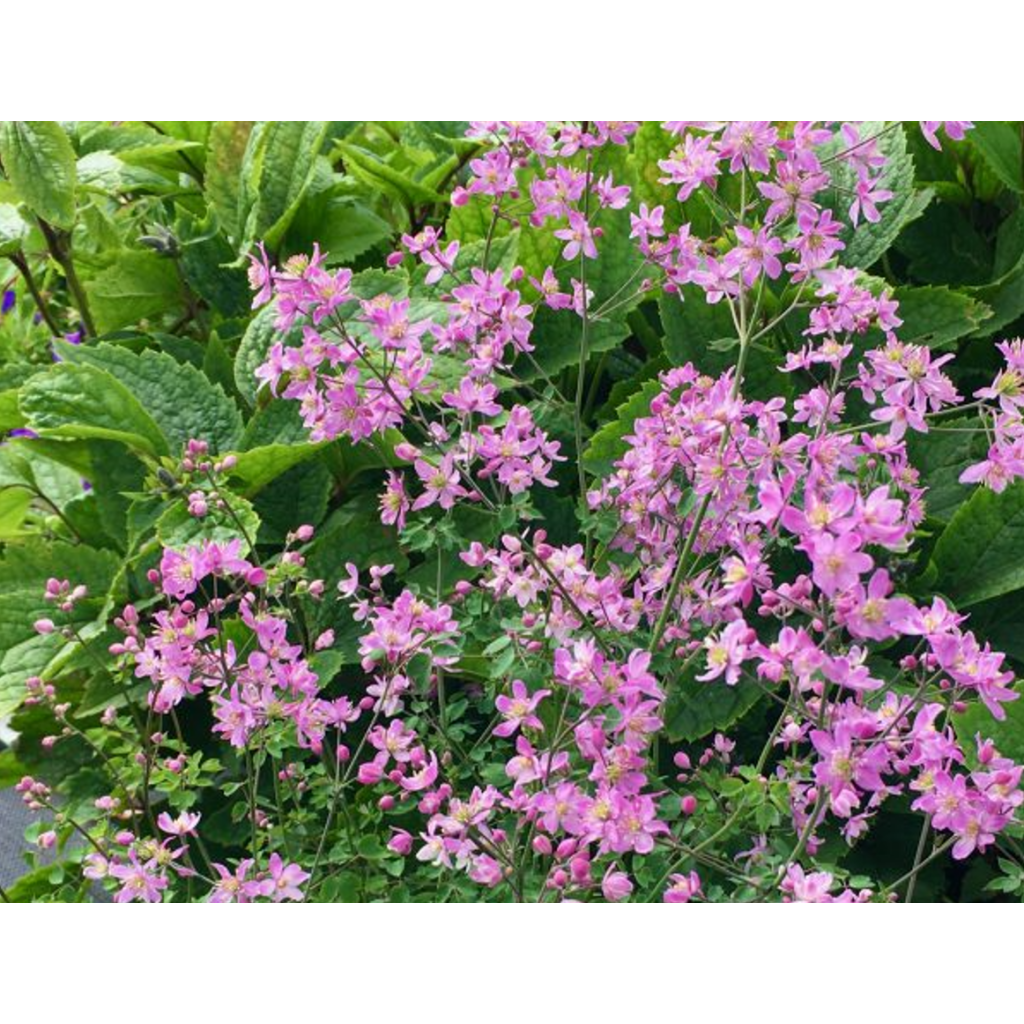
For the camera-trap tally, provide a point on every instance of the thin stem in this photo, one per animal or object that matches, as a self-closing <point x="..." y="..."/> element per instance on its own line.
<point x="925" y="829"/>
<point x="59" y="245"/>
<point x="44" y="311"/>
<point x="917" y="868"/>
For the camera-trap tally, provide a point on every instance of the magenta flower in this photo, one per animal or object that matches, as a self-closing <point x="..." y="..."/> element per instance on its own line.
<point x="441" y="483"/>
<point x="578" y="237"/>
<point x="184" y="824"/>
<point x="727" y="652"/>
<point x="682" y="889"/>
<point x="953" y="129"/>
<point x="838" y="561"/>
<point x="139" y="882"/>
<point x="518" y="710"/>
<point x="394" y="503"/>
<point x="286" y="879"/>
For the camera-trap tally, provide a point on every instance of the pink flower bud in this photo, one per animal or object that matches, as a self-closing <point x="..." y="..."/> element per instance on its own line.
<point x="43" y="626"/>
<point x="688" y="804"/>
<point x="616" y="886"/>
<point x="542" y="845"/>
<point x="400" y="842"/>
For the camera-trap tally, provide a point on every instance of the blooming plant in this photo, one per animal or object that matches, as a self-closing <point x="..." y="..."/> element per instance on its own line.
<point x="667" y="554"/>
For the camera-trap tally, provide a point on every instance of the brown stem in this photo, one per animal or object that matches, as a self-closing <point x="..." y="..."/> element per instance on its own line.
<point x="58" y="244"/>
<point x="21" y="263"/>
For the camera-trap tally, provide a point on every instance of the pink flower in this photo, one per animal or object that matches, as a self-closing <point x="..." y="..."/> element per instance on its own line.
<point x="727" y="652"/>
<point x="260" y="277"/>
<point x="866" y="198"/>
<point x="578" y="237"/>
<point x="139" y="882"/>
<point x="234" y="886"/>
<point x="394" y="503"/>
<point x="518" y="710"/>
<point x="474" y="397"/>
<point x="954" y="129"/>
<point x="441" y="483"/>
<point x="286" y="879"/>
<point x="682" y="888"/>
<point x="549" y="288"/>
<point x="422" y="779"/>
<point x="616" y="886"/>
<point x="184" y="824"/>
<point x="838" y="561"/>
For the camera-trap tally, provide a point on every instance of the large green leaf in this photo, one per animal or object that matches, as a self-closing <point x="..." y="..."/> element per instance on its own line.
<point x="1008" y="735"/>
<point x="608" y="444"/>
<point x="182" y="400"/>
<point x="40" y="163"/>
<point x="695" y="709"/>
<point x="867" y="242"/>
<point x="252" y="350"/>
<point x="937" y="317"/>
<point x="978" y="555"/>
<point x="70" y="401"/>
<point x="24" y="570"/>
<point x="13" y="229"/>
<point x="177" y="529"/>
<point x="226" y="150"/>
<point x="999" y="144"/>
<point x="940" y="456"/>
<point x="277" y="168"/>
<point x="368" y="168"/>
<point x="137" y="285"/>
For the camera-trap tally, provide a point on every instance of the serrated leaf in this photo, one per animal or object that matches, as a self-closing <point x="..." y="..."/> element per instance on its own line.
<point x="940" y="456"/>
<point x="24" y="570"/>
<point x="277" y="168"/>
<point x="136" y="286"/>
<point x="252" y="350"/>
<point x="695" y="709"/>
<point x="1008" y="735"/>
<point x="222" y="183"/>
<point x="40" y="163"/>
<point x="999" y="144"/>
<point x="607" y="445"/>
<point x="78" y="401"/>
<point x="978" y="555"/>
<point x="368" y="168"/>
<point x="937" y="317"/>
<point x="866" y="243"/>
<point x="177" y="529"/>
<point x="181" y="399"/>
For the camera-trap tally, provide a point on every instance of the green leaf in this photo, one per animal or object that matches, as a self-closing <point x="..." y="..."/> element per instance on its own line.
<point x="14" y="505"/>
<point x="24" y="570"/>
<point x="345" y="227"/>
<point x="277" y="168"/>
<point x="937" y="317"/>
<point x="608" y="444"/>
<point x="866" y="243"/>
<point x="137" y="285"/>
<point x="252" y="350"/>
<point x="259" y="466"/>
<point x="187" y="131"/>
<point x="695" y="709"/>
<point x="177" y="529"/>
<point x="70" y="401"/>
<point x="999" y="144"/>
<point x="40" y="164"/>
<point x="941" y="457"/>
<point x="368" y="168"/>
<point x="13" y="230"/>
<point x="1007" y="735"/>
<point x="226" y="150"/>
<point x="181" y="399"/>
<point x="978" y="555"/>
<point x="298" y="496"/>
